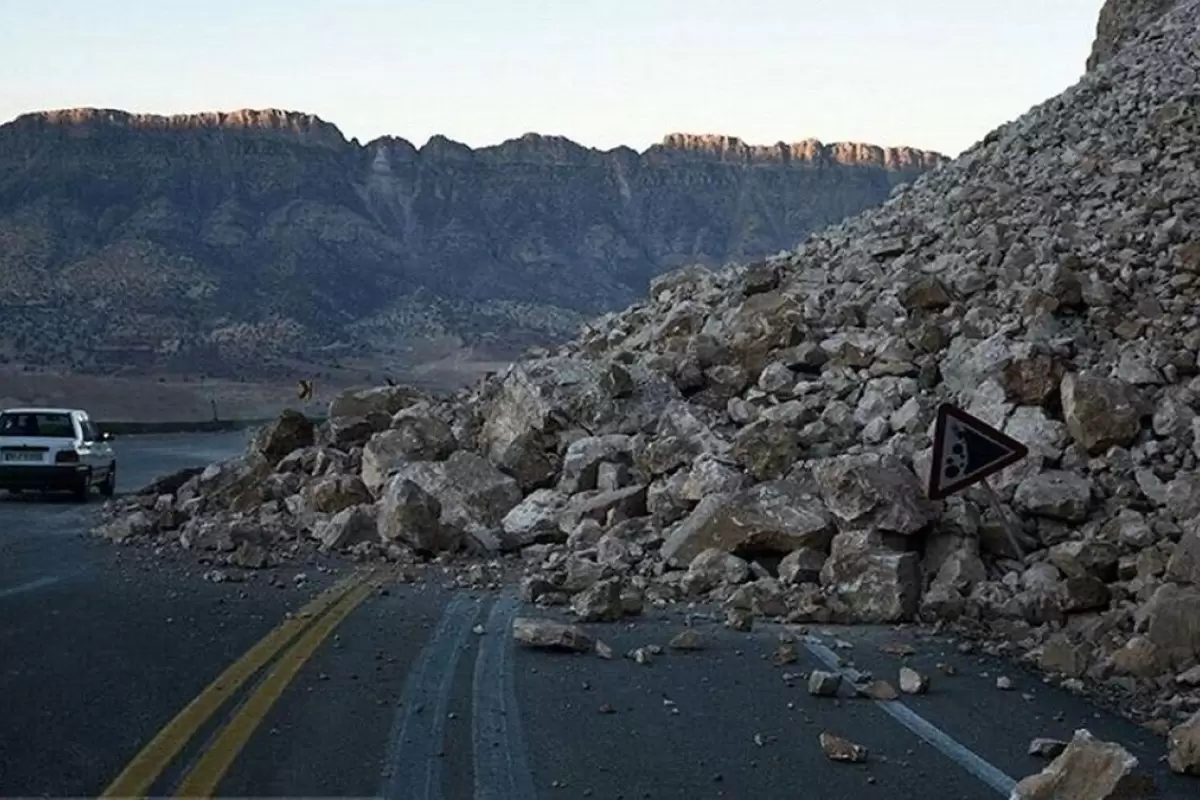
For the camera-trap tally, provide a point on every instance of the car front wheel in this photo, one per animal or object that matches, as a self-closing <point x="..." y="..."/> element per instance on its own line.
<point x="109" y="486"/>
<point x="81" y="488"/>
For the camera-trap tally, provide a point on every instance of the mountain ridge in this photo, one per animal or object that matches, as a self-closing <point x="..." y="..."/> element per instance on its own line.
<point x="237" y="239"/>
<point x="307" y="128"/>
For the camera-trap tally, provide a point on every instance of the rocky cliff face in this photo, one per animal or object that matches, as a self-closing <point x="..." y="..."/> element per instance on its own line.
<point x="236" y="237"/>
<point x="1122" y="21"/>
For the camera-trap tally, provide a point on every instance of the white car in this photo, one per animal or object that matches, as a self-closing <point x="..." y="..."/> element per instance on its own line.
<point x="55" y="449"/>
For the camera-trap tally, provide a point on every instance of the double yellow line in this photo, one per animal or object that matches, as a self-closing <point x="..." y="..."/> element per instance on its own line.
<point x="324" y="613"/>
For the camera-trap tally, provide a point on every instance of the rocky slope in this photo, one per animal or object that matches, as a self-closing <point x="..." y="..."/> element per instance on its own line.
<point x="234" y="238"/>
<point x="760" y="437"/>
<point x="1122" y="21"/>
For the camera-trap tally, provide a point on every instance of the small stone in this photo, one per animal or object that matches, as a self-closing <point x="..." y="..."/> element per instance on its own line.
<point x="550" y="635"/>
<point x="879" y="690"/>
<point x="687" y="640"/>
<point x="824" y="684"/>
<point x="901" y="649"/>
<point x="838" y="749"/>
<point x="783" y="655"/>
<point x="913" y="682"/>
<point x="739" y="619"/>
<point x="1004" y="683"/>
<point x="1046" y="748"/>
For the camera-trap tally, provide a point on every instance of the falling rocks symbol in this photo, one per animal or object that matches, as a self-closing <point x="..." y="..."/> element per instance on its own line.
<point x="966" y="450"/>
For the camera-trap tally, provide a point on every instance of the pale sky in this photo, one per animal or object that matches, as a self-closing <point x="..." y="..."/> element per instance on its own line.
<point x="937" y="74"/>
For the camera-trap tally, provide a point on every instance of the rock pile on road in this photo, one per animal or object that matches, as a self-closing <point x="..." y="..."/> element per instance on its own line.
<point x="760" y="437"/>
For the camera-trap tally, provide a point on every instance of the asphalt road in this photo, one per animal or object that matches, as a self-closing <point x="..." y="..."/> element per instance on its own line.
<point x="127" y="673"/>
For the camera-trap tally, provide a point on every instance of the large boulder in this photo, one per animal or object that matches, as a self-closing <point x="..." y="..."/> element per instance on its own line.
<point x="682" y="434"/>
<point x="411" y="515"/>
<point x="1057" y="494"/>
<point x="552" y="394"/>
<point x="581" y="463"/>
<point x="873" y="492"/>
<point x="473" y="495"/>
<point x="534" y="519"/>
<point x="1183" y="746"/>
<point x="870" y="583"/>
<point x="331" y="494"/>
<point x="767" y="450"/>
<point x="1087" y="768"/>
<point x="348" y="527"/>
<point x="1184" y="566"/>
<point x="1100" y="412"/>
<point x="411" y="438"/>
<point x="777" y="516"/>
<point x="1171" y="620"/>
<point x="291" y="431"/>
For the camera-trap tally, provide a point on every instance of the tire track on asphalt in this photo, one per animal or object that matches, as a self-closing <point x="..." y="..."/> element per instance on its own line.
<point x="413" y="765"/>
<point x="501" y="763"/>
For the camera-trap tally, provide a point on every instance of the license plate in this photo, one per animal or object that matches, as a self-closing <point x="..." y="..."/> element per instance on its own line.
<point x="22" y="457"/>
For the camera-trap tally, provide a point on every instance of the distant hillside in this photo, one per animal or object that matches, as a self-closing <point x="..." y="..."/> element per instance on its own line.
<point x="232" y="241"/>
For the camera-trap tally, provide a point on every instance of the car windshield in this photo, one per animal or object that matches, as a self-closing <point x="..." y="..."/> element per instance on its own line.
<point x="56" y="426"/>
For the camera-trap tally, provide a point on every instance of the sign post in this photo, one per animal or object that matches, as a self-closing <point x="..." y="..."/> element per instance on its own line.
<point x="967" y="451"/>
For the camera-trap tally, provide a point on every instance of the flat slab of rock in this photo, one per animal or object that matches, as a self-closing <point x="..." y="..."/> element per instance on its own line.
<point x="777" y="516"/>
<point x="548" y="634"/>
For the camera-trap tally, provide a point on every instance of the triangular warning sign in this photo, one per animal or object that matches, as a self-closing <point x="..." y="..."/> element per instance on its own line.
<point x="966" y="450"/>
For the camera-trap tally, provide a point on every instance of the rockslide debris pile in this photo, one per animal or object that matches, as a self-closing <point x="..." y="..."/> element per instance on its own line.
<point x="760" y="437"/>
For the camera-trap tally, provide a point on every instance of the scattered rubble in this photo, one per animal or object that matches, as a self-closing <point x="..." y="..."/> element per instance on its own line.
<point x="758" y="438"/>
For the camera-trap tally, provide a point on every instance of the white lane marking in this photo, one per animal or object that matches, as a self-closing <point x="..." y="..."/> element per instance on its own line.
<point x="28" y="587"/>
<point x="947" y="745"/>
<point x="413" y="769"/>
<point x="501" y="766"/>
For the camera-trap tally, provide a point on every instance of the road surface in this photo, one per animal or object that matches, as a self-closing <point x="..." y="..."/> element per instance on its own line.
<point x="125" y="674"/>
